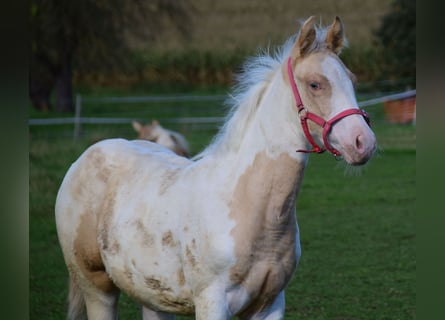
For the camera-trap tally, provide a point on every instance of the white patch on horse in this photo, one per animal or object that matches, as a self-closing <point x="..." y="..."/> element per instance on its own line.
<point x="339" y="79"/>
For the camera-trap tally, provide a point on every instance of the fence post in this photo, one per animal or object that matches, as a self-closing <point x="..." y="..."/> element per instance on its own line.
<point x="77" y="120"/>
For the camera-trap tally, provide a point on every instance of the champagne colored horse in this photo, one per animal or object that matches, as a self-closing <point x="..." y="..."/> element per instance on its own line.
<point x="215" y="236"/>
<point x="154" y="132"/>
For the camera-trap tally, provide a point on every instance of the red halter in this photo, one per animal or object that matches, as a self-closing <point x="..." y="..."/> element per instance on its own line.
<point x="306" y="115"/>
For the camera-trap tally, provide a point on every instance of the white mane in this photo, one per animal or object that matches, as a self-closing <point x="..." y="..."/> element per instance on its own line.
<point x="256" y="75"/>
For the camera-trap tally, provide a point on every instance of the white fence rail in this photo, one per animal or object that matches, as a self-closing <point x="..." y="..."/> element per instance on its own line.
<point x="78" y="120"/>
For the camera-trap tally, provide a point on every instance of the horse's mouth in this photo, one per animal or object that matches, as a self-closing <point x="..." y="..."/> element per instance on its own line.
<point x="359" y="156"/>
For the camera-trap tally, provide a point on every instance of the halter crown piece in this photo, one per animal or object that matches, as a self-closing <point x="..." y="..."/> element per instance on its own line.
<point x="306" y="115"/>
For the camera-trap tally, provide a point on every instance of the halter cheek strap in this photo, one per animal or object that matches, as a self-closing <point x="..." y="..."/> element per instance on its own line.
<point x="306" y="115"/>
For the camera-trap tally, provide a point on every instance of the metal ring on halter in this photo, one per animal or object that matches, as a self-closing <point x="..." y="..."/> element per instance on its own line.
<point x="302" y="113"/>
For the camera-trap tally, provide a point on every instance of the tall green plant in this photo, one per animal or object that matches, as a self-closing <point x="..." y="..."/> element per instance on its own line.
<point x="397" y="38"/>
<point x="89" y="35"/>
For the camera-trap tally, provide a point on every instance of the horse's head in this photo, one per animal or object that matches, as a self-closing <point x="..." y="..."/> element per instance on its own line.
<point x="150" y="132"/>
<point x="328" y="105"/>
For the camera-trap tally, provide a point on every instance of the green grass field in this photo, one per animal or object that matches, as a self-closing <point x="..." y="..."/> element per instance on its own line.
<point x="357" y="228"/>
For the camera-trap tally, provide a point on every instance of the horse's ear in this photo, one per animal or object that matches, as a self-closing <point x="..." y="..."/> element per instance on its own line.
<point x="305" y="39"/>
<point x="335" y="37"/>
<point x="137" y="126"/>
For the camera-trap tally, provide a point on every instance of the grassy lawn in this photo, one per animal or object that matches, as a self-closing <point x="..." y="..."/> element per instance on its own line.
<point x="358" y="241"/>
<point x="357" y="229"/>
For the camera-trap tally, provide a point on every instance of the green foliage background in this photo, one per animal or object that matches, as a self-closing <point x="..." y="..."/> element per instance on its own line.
<point x="381" y="34"/>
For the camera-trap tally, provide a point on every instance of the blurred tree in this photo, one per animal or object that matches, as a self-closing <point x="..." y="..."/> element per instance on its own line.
<point x="92" y="34"/>
<point x="397" y="37"/>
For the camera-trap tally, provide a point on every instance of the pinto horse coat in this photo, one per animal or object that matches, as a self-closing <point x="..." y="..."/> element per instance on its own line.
<point x="216" y="236"/>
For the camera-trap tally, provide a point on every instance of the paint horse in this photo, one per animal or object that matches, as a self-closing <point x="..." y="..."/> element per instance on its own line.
<point x="156" y="133"/>
<point x="215" y="236"/>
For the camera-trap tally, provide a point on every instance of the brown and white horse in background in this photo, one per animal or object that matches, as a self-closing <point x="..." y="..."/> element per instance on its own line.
<point x="215" y="236"/>
<point x="154" y="132"/>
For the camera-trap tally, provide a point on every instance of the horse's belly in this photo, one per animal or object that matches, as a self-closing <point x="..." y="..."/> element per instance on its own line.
<point x="156" y="292"/>
<point x="142" y="254"/>
<point x="155" y="279"/>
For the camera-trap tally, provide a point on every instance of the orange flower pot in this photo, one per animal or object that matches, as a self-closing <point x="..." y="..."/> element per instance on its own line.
<point x="400" y="111"/>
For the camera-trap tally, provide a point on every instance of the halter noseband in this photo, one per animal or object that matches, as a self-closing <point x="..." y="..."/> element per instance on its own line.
<point x="306" y="115"/>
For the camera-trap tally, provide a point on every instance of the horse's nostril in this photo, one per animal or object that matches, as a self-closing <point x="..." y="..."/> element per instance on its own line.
<point x="359" y="143"/>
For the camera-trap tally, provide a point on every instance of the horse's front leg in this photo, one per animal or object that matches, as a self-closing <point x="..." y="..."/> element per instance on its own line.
<point x="274" y="312"/>
<point x="212" y="304"/>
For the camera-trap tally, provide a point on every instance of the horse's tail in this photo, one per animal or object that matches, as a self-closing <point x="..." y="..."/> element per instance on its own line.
<point x="76" y="302"/>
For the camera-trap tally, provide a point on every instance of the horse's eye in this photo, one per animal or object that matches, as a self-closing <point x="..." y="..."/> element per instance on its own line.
<point x="315" y="85"/>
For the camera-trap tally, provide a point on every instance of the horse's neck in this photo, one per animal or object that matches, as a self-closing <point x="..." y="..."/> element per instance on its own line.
<point x="266" y="166"/>
<point x="274" y="128"/>
<point x="268" y="186"/>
